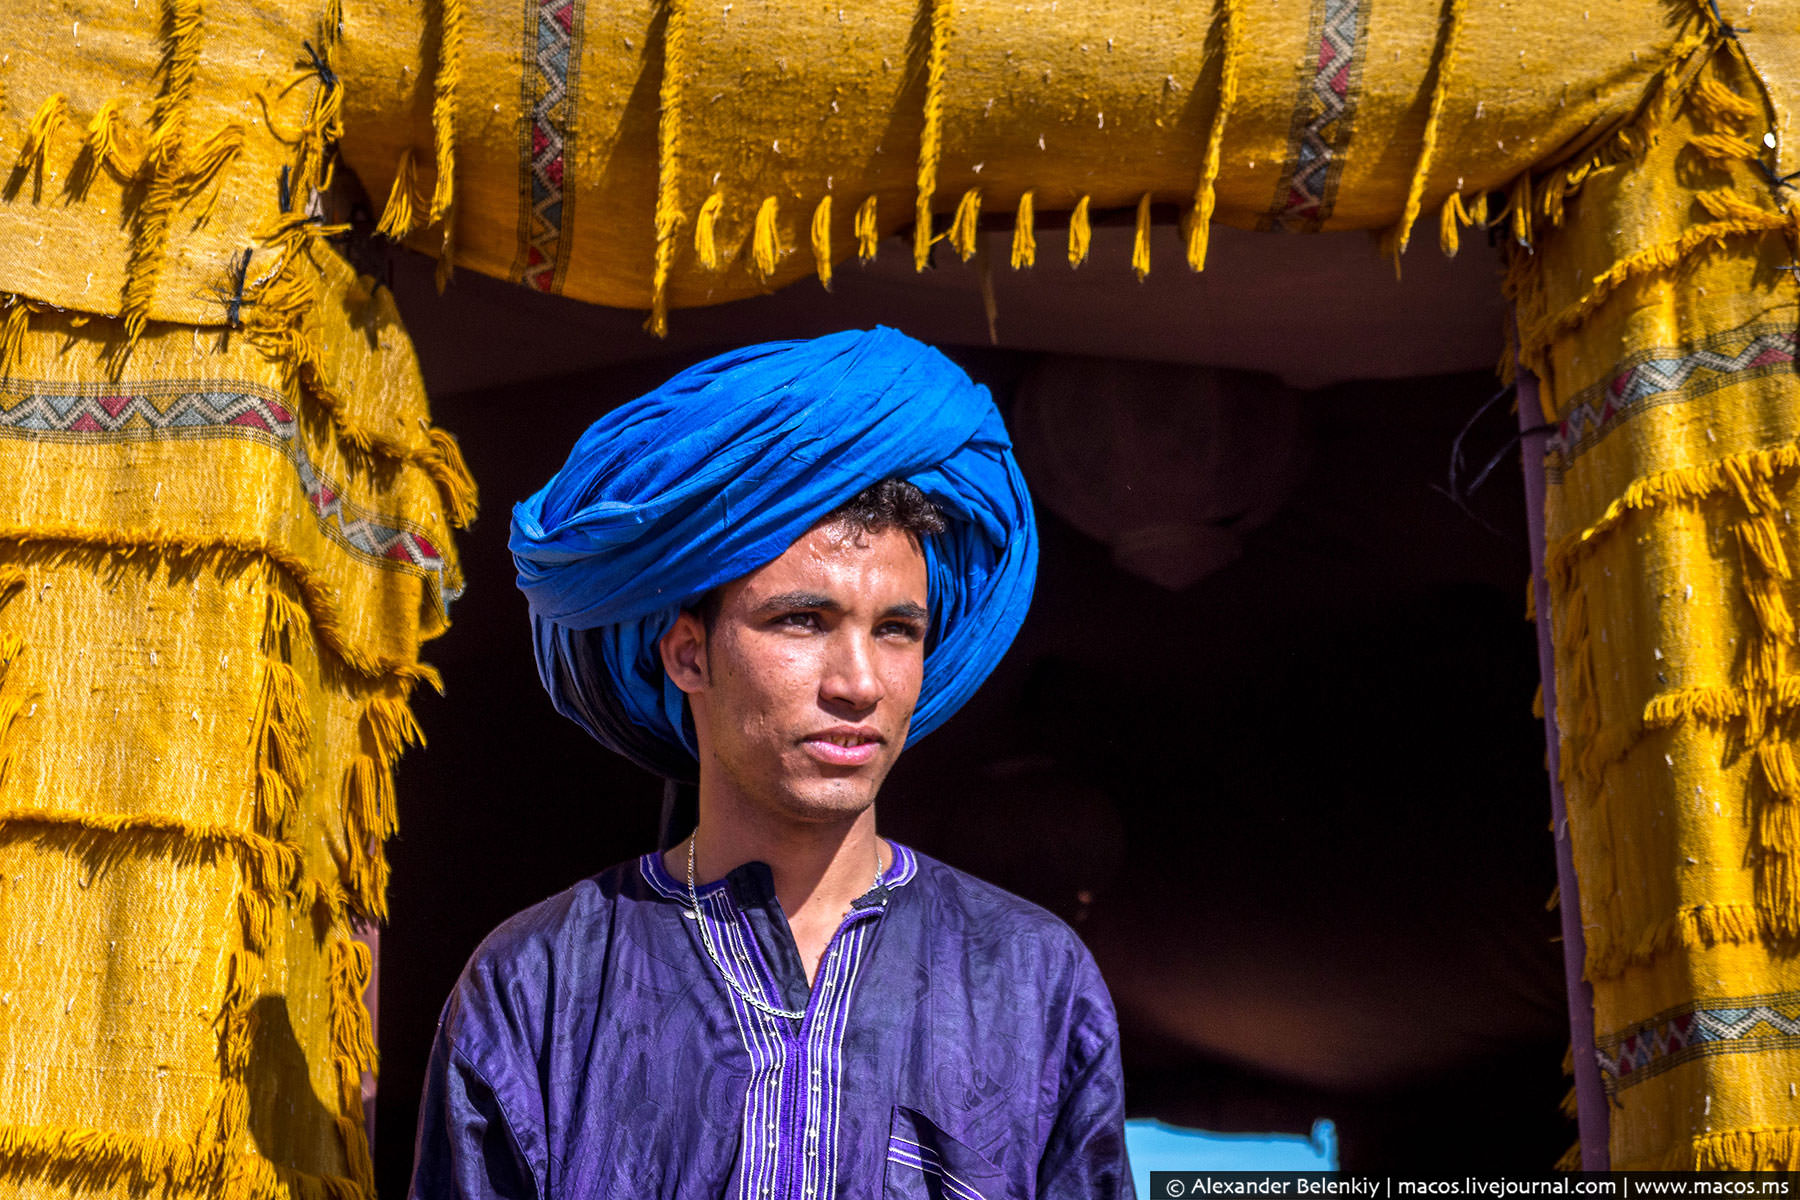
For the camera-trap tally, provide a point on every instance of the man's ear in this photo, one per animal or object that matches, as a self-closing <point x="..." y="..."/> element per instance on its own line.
<point x="683" y="650"/>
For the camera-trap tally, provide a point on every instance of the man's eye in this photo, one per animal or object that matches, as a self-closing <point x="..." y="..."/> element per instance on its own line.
<point x="799" y="620"/>
<point x="904" y="630"/>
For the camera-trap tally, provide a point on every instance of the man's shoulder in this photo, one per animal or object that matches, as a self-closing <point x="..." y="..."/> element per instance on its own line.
<point x="970" y="907"/>
<point x="563" y="938"/>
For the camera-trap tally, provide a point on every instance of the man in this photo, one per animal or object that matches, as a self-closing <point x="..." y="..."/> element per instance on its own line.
<point x="767" y="575"/>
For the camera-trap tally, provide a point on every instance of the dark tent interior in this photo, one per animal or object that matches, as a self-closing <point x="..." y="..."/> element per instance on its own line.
<point x="1279" y="768"/>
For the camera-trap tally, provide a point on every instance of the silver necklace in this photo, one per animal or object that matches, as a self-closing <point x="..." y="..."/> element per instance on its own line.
<point x="706" y="939"/>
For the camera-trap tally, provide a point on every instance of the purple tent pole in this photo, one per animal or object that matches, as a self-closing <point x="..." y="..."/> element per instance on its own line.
<point x="1589" y="1095"/>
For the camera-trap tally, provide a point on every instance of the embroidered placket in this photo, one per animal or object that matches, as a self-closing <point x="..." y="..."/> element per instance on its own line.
<point x="791" y="1117"/>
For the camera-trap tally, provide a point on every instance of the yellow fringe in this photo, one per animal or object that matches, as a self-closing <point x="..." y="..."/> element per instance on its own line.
<point x="369" y="812"/>
<point x="103" y="1158"/>
<point x="277" y="324"/>
<point x="1680" y="485"/>
<point x="1079" y="233"/>
<point x="1654" y="260"/>
<point x="1199" y="228"/>
<point x="765" y="245"/>
<point x="1757" y="1148"/>
<point x="706" y="243"/>
<point x="149" y="243"/>
<point x="963" y="228"/>
<point x="867" y="235"/>
<point x="1024" y="239"/>
<point x="443" y="107"/>
<point x="52" y="114"/>
<point x="352" y="1051"/>
<point x="400" y="216"/>
<point x="931" y="136"/>
<point x="268" y="864"/>
<point x="1699" y="927"/>
<point x="1571" y="1159"/>
<point x="821" y="241"/>
<point x="1140" y="244"/>
<point x="13" y="327"/>
<point x="229" y="553"/>
<point x="668" y="174"/>
<point x="1451" y="27"/>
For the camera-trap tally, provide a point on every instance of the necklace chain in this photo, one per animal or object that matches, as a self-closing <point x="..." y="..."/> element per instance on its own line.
<point x="743" y="993"/>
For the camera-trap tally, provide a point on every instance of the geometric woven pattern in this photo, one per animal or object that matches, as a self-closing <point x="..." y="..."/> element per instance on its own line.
<point x="1322" y="120"/>
<point x="552" y="43"/>
<point x="191" y="409"/>
<point x="1667" y="375"/>
<point x="1725" y="1026"/>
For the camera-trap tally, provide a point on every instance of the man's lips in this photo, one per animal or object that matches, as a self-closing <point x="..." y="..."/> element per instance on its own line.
<point x="843" y="747"/>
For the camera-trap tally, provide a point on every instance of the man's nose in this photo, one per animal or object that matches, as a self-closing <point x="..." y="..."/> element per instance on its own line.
<point x="850" y="676"/>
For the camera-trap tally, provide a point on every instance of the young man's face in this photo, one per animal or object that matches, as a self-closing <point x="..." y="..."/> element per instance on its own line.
<point x="803" y="689"/>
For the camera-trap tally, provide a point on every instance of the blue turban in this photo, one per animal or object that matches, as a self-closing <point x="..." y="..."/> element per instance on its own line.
<point x="717" y="473"/>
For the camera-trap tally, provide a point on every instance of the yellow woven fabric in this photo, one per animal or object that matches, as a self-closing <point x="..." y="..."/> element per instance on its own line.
<point x="219" y="553"/>
<point x="1656" y="307"/>
<point x="145" y="147"/>
<point x="640" y="153"/>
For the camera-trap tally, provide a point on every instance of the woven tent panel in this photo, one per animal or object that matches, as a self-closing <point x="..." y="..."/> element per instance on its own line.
<point x="99" y="152"/>
<point x="222" y="554"/>
<point x="573" y="141"/>
<point x="1654" y="306"/>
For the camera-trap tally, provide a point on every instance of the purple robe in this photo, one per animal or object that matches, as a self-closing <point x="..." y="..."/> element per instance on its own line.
<point x="957" y="1042"/>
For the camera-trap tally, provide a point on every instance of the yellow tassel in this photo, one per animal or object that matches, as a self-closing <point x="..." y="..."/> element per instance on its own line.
<point x="1537" y="702"/>
<point x="1724" y="204"/>
<point x="443" y="106"/>
<point x="1521" y="210"/>
<point x="1451" y="25"/>
<point x="1140" y="246"/>
<point x="821" y="241"/>
<point x="1199" y="227"/>
<point x="212" y="155"/>
<point x="149" y="243"/>
<point x="398" y="217"/>
<point x="1724" y="147"/>
<point x="867" y="236"/>
<point x="104" y="137"/>
<point x="1722" y="103"/>
<point x="931" y="136"/>
<point x="963" y="228"/>
<point x="1079" y="233"/>
<point x="766" y="244"/>
<point x="444" y="462"/>
<point x="353" y="1052"/>
<point x="706" y="244"/>
<point x="668" y="145"/>
<point x="51" y="116"/>
<point x="1024" y="240"/>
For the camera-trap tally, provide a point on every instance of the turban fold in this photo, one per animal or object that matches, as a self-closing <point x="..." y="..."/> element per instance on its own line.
<point x="718" y="472"/>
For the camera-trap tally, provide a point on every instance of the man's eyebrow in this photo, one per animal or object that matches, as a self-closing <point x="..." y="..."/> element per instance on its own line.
<point x="910" y="612"/>
<point x="789" y="601"/>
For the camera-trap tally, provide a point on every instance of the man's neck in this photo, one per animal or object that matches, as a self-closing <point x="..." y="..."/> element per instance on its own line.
<point x="819" y="869"/>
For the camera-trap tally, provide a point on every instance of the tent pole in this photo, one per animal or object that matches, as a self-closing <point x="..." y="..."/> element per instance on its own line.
<point x="1590" y="1097"/>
